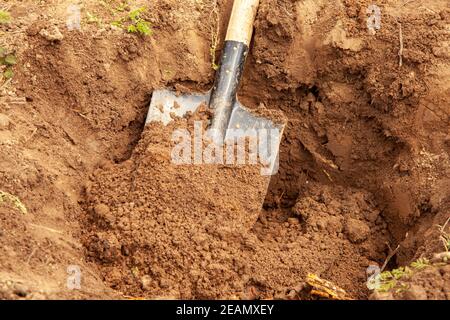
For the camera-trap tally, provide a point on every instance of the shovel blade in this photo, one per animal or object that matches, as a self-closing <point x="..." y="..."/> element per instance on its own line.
<point x="166" y="105"/>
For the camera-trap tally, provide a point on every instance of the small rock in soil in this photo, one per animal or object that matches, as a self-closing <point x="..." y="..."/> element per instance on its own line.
<point x="20" y="290"/>
<point x="52" y="34"/>
<point x="371" y="215"/>
<point x="441" y="257"/>
<point x="102" y="212"/>
<point x="146" y="282"/>
<point x="357" y="231"/>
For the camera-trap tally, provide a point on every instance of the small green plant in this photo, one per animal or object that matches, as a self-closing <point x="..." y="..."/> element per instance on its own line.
<point x="7" y="61"/>
<point x="6" y="197"/>
<point x="420" y="264"/>
<point x="5" y="17"/>
<point x="389" y="279"/>
<point x="134" y="23"/>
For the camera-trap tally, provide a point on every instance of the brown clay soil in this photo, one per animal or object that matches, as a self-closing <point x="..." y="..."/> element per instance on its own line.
<point x="364" y="173"/>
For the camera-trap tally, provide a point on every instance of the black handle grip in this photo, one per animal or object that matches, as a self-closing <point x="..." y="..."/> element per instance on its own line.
<point x="228" y="77"/>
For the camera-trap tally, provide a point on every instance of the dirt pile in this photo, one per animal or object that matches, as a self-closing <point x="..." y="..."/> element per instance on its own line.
<point x="162" y="230"/>
<point x="173" y="224"/>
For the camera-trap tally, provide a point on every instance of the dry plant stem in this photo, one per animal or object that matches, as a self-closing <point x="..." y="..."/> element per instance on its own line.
<point x="445" y="224"/>
<point x="400" y="51"/>
<point x="31" y="255"/>
<point x="389" y="257"/>
<point x="443" y="235"/>
<point x="408" y="2"/>
<point x="4" y="85"/>
<point x="7" y="7"/>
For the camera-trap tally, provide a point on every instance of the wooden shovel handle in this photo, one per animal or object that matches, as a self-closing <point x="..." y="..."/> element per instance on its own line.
<point x="240" y="26"/>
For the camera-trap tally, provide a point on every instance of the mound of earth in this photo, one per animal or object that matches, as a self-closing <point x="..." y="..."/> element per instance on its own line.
<point x="164" y="230"/>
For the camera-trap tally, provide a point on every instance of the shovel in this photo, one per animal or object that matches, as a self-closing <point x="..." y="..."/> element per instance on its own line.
<point x="231" y="120"/>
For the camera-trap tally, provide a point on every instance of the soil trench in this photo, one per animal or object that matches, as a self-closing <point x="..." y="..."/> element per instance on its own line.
<point x="364" y="167"/>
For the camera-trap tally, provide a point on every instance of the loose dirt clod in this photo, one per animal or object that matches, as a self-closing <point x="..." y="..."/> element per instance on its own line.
<point x="52" y="34"/>
<point x="181" y="235"/>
